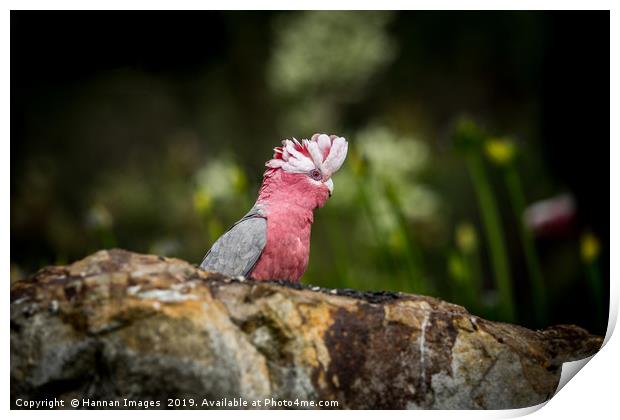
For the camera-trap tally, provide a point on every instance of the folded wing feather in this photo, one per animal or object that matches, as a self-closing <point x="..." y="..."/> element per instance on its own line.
<point x="236" y="252"/>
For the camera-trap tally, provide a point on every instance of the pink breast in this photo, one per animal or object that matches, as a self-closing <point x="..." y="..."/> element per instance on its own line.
<point x="287" y="250"/>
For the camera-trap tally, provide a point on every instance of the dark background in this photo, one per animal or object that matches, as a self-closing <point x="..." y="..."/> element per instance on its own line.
<point x="123" y="123"/>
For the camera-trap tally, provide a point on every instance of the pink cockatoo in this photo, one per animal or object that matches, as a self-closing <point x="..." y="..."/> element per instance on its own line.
<point x="272" y="241"/>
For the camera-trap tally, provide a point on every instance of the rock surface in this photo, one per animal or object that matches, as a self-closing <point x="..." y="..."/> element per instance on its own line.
<point x="123" y="325"/>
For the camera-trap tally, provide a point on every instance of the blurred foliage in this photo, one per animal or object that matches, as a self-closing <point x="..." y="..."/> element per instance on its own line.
<point x="160" y="155"/>
<point x="311" y="71"/>
<point x="309" y="57"/>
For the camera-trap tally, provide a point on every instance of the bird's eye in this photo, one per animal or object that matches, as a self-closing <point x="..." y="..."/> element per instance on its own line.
<point x="315" y="174"/>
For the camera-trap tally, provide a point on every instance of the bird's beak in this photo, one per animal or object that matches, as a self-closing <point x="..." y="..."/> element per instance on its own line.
<point x="330" y="186"/>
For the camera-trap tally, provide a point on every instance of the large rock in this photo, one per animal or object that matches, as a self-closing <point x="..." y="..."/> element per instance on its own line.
<point x="123" y="325"/>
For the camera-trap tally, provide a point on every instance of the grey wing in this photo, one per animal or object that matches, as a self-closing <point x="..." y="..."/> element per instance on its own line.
<point x="236" y="252"/>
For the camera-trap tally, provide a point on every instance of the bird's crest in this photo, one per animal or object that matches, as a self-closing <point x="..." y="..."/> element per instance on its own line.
<point x="322" y="152"/>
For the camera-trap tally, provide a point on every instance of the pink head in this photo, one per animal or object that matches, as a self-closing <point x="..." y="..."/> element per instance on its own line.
<point x="301" y="172"/>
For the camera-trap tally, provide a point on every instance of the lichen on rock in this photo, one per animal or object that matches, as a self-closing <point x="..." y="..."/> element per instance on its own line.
<point x="124" y="325"/>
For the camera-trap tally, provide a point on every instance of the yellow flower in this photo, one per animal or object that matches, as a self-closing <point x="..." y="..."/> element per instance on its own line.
<point x="590" y="247"/>
<point x="202" y="202"/>
<point x="466" y="237"/>
<point x="500" y="151"/>
<point x="457" y="268"/>
<point x="240" y="182"/>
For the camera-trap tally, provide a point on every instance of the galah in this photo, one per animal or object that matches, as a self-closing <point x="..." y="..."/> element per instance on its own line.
<point x="272" y="241"/>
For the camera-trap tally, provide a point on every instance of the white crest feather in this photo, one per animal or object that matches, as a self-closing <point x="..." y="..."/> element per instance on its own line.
<point x="336" y="156"/>
<point x="323" y="152"/>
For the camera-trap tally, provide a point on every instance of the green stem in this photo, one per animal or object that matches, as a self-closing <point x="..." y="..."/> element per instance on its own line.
<point x="469" y="290"/>
<point x="107" y="238"/>
<point x="338" y="245"/>
<point x="413" y="256"/>
<point x="517" y="198"/>
<point x="472" y="261"/>
<point x="494" y="234"/>
<point x="385" y="256"/>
